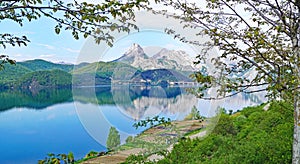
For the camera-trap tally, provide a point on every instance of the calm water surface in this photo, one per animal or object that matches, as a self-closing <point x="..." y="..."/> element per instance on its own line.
<point x="35" y="123"/>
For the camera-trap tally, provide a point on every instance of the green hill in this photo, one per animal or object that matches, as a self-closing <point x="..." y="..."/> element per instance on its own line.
<point x="39" y="79"/>
<point x="107" y="70"/>
<point x="41" y="73"/>
<point x="160" y="76"/>
<point x="13" y="73"/>
<point x="42" y="65"/>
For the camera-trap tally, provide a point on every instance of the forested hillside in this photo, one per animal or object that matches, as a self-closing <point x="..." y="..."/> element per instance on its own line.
<point x="250" y="136"/>
<point x="253" y="135"/>
<point x="15" y="74"/>
<point x="48" y="78"/>
<point x="40" y="73"/>
<point x="42" y="65"/>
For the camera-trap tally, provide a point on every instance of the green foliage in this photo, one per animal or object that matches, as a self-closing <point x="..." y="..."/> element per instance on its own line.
<point x="160" y="76"/>
<point x="38" y="79"/>
<point x="91" y="154"/>
<point x="249" y="110"/>
<point x="42" y="65"/>
<point x="241" y="138"/>
<point x="194" y="115"/>
<point x="194" y="132"/>
<point x="225" y="126"/>
<point x="136" y="159"/>
<point x="113" y="139"/>
<point x="14" y="73"/>
<point x="70" y="157"/>
<point x="258" y="49"/>
<point x="86" y="19"/>
<point x="102" y="69"/>
<point x="129" y="139"/>
<point x="156" y="120"/>
<point x="104" y="72"/>
<point x="257" y="42"/>
<point x="57" y="159"/>
<point x="36" y="73"/>
<point x="5" y="59"/>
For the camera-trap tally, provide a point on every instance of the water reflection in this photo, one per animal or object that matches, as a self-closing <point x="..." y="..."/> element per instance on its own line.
<point x="63" y="118"/>
<point x="33" y="99"/>
<point x="101" y="108"/>
<point x="133" y="101"/>
<point x="152" y="101"/>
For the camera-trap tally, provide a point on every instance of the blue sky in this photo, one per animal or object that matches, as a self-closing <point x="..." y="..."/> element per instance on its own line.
<point x="149" y="40"/>
<point x="46" y="44"/>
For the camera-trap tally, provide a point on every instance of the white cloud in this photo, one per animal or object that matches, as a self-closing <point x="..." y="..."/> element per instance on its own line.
<point x="16" y="55"/>
<point x="47" y="56"/>
<point x="20" y="57"/>
<point x="47" y="46"/>
<point x="72" y="50"/>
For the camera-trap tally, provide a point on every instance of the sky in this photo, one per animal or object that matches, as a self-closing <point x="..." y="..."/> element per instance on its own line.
<point x="46" y="44"/>
<point x="152" y="41"/>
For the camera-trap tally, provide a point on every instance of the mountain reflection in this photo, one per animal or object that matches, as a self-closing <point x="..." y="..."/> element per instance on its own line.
<point x="33" y="99"/>
<point x="152" y="101"/>
<point x="135" y="101"/>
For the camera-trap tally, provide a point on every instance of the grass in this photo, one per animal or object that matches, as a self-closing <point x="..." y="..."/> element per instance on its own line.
<point x="152" y="140"/>
<point x="84" y="159"/>
<point x="193" y="132"/>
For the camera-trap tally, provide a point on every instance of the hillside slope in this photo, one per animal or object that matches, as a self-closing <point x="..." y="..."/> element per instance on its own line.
<point x="39" y="79"/>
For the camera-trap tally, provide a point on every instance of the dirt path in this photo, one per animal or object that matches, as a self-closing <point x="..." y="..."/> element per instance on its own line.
<point x="198" y="135"/>
<point x="117" y="157"/>
<point x="154" y="136"/>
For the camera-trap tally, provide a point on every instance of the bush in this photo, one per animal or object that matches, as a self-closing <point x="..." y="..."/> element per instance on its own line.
<point x="253" y="136"/>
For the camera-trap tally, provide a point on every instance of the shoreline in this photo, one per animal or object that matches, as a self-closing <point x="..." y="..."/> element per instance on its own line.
<point x="151" y="141"/>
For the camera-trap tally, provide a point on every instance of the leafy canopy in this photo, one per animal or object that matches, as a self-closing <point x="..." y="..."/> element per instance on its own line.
<point x="113" y="139"/>
<point x="258" y="42"/>
<point x="259" y="48"/>
<point x="87" y="19"/>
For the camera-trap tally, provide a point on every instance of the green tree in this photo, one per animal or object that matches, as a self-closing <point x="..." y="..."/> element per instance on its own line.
<point x="113" y="139"/>
<point x="57" y="159"/>
<point x="129" y="139"/>
<point x="88" y="19"/>
<point x="262" y="137"/>
<point x="225" y="126"/>
<point x="259" y="48"/>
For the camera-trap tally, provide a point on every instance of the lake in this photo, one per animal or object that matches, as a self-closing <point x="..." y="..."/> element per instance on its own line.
<point x="34" y="123"/>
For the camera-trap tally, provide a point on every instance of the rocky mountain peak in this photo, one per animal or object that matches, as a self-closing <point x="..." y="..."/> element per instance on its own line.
<point x="165" y="58"/>
<point x="135" y="50"/>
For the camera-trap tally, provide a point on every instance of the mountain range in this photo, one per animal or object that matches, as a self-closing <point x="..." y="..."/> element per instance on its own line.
<point x="164" y="59"/>
<point x="134" y="65"/>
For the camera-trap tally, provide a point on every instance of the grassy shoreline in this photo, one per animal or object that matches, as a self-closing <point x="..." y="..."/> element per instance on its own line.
<point x="150" y="141"/>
